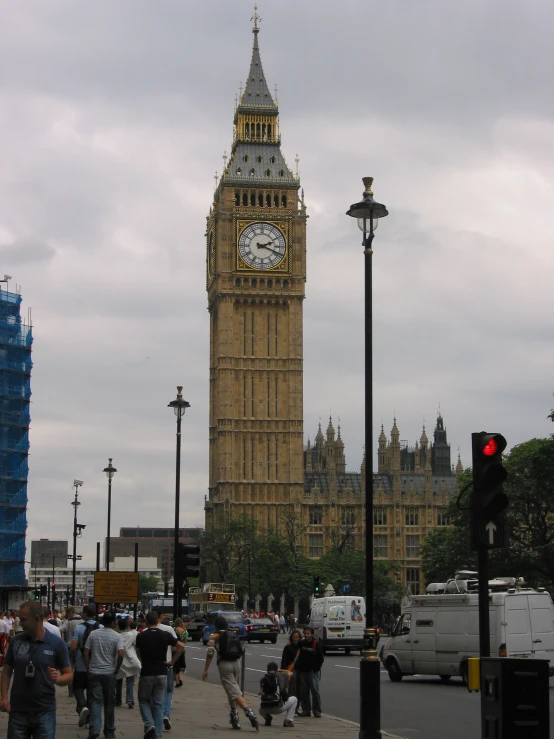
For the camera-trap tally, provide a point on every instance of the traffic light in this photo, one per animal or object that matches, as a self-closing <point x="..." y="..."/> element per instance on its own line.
<point x="317" y="587"/>
<point x="187" y="561"/>
<point x="37" y="593"/>
<point x="43" y="590"/>
<point x="488" y="499"/>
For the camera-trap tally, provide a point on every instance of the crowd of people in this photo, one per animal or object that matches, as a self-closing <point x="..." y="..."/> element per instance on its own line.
<point x="94" y="657"/>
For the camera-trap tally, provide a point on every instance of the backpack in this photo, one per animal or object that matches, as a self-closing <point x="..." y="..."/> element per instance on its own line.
<point x="88" y="629"/>
<point x="230" y="646"/>
<point x="271" y="695"/>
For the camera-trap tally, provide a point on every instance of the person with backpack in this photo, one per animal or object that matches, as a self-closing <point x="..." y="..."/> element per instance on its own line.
<point x="228" y="648"/>
<point x="80" y="678"/>
<point x="274" y="695"/>
<point x="308" y="666"/>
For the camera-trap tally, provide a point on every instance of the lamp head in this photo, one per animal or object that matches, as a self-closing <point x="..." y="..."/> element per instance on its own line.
<point x="179" y="405"/>
<point x="367" y="211"/>
<point x="110" y="470"/>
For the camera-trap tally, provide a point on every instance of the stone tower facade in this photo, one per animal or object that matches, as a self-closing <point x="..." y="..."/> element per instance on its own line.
<point x="412" y="489"/>
<point x="256" y="273"/>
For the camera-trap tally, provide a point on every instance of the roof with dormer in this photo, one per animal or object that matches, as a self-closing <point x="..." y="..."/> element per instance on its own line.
<point x="271" y="169"/>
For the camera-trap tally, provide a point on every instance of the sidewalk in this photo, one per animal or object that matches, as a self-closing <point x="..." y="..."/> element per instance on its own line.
<point x="200" y="711"/>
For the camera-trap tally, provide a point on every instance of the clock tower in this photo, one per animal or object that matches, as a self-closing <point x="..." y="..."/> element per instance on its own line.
<point x="255" y="278"/>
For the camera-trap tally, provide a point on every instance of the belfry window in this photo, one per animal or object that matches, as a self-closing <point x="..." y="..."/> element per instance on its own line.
<point x="261" y="199"/>
<point x="272" y="160"/>
<point x="268" y="200"/>
<point x="252" y="198"/>
<point x="245" y="198"/>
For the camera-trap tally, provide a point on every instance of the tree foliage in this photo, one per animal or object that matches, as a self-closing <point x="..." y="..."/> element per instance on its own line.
<point x="529" y="519"/>
<point x="272" y="561"/>
<point x="147" y="584"/>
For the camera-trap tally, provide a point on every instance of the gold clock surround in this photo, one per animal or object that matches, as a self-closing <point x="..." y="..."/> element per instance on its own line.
<point x="283" y="226"/>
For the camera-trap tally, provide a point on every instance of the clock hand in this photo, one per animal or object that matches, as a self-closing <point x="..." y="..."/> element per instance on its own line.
<point x="269" y="248"/>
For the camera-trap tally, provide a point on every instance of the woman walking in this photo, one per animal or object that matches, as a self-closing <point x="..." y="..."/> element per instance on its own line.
<point x="291" y="653"/>
<point x="130" y="667"/>
<point x="180" y="665"/>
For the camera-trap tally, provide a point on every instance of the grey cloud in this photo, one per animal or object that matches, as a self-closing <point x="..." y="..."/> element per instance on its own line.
<point x="26" y="251"/>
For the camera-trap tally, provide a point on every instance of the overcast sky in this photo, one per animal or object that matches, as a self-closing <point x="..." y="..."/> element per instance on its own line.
<point x="114" y="116"/>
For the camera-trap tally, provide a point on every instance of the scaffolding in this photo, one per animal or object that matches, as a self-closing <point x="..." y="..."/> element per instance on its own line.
<point x="16" y="338"/>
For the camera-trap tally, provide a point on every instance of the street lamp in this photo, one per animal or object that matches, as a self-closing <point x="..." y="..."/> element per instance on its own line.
<point x="368" y="212"/>
<point x="110" y="471"/>
<point x="179" y="406"/>
<point x="77" y="531"/>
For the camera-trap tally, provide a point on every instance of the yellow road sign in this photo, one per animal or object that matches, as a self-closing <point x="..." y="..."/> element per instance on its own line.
<point x="116" y="587"/>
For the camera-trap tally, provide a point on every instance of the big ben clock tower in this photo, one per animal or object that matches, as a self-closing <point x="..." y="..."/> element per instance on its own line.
<point x="256" y="272"/>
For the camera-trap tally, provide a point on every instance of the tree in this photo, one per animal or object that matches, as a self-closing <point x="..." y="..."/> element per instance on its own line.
<point x="147" y="584"/>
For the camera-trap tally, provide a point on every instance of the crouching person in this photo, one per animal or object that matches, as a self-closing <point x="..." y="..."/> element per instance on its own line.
<point x="274" y="696"/>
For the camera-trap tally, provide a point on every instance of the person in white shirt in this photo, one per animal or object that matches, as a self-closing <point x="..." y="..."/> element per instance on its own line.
<point x="47" y="625"/>
<point x="8" y="620"/>
<point x="170" y="679"/>
<point x="4" y="634"/>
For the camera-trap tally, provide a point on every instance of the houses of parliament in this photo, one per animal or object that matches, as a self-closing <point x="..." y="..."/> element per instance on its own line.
<point x="255" y="281"/>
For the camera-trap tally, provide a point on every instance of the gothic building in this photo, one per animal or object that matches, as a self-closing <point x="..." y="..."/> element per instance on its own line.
<point x="412" y="489"/>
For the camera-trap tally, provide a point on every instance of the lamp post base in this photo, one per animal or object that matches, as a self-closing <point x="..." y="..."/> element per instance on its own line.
<point x="370" y="697"/>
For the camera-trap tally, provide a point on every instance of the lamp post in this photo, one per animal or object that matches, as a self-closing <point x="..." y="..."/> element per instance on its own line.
<point x="179" y="406"/>
<point x="54" y="555"/>
<point x="77" y="531"/>
<point x="368" y="212"/>
<point x="110" y="471"/>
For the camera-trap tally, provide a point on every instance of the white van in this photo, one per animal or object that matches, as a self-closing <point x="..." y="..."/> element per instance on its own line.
<point x="339" y="622"/>
<point x="437" y="632"/>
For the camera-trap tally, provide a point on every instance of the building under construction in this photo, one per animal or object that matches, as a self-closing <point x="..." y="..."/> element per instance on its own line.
<point x="16" y="340"/>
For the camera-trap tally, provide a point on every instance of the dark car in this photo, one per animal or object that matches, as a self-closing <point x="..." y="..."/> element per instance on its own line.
<point x="261" y="629"/>
<point x="234" y="619"/>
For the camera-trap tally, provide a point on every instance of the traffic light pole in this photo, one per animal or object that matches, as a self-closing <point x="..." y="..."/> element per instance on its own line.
<point x="483" y="589"/>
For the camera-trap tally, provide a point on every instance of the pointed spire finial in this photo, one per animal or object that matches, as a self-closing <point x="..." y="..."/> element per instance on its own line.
<point x="297" y="160"/>
<point x="255" y="19"/>
<point x="215" y="178"/>
<point x="225" y="159"/>
<point x="276" y="95"/>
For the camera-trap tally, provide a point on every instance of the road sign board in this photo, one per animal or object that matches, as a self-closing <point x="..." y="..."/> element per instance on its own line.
<point x="492" y="535"/>
<point x="116" y="587"/>
<point x="89" y="587"/>
<point x="346" y="587"/>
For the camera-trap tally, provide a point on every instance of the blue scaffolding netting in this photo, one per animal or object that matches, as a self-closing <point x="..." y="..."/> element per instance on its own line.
<point x="16" y="339"/>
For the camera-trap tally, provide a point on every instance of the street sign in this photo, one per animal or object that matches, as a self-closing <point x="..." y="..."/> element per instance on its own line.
<point x="492" y="535"/>
<point x="89" y="587"/>
<point x="346" y="588"/>
<point x="116" y="587"/>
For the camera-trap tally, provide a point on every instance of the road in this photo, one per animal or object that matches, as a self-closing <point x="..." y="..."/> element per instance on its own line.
<point x="417" y="707"/>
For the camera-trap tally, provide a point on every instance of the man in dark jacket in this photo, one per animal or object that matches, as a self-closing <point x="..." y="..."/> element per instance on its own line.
<point x="308" y="666"/>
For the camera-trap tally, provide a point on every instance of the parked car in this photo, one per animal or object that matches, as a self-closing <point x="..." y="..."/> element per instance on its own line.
<point x="261" y="629"/>
<point x="235" y="619"/>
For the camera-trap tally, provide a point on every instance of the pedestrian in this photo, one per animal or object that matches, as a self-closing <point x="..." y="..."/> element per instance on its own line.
<point x="57" y="619"/>
<point x="163" y="624"/>
<point x="130" y="667"/>
<point x="292" y="623"/>
<point x="48" y="622"/>
<point x="308" y="666"/>
<point x="180" y="665"/>
<point x="152" y="645"/>
<point x="103" y="657"/>
<point x="66" y="632"/>
<point x="38" y="661"/>
<point x="228" y="648"/>
<point x="283" y="624"/>
<point x="289" y="658"/>
<point x="274" y="695"/>
<point x="4" y="634"/>
<point x="83" y="696"/>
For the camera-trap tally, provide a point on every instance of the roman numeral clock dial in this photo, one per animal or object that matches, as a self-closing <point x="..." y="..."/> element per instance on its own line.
<point x="262" y="245"/>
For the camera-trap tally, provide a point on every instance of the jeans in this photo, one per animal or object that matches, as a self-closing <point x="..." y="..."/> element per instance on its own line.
<point x="289" y="708"/>
<point x="308" y="683"/>
<point x="129" y="686"/>
<point x="169" y="693"/>
<point x="35" y="725"/>
<point x="80" y="685"/>
<point x="152" y="691"/>
<point x="102" y="690"/>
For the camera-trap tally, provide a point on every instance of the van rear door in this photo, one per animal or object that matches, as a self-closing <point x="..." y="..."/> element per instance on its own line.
<point x="355" y="618"/>
<point x="424" y="647"/>
<point x="335" y="623"/>
<point x="518" y="626"/>
<point x="542" y="626"/>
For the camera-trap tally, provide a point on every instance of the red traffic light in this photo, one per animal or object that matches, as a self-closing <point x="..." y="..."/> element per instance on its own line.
<point x="490" y="449"/>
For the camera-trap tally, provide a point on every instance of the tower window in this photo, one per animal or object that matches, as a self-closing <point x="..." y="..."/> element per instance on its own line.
<point x="268" y="200"/>
<point x="285" y="284"/>
<point x="268" y="173"/>
<point x="244" y="198"/>
<point x="254" y="283"/>
<point x="245" y="158"/>
<point x="252" y="171"/>
<point x="259" y="159"/>
<point x="270" y="283"/>
<point x="269" y="131"/>
<point x="276" y="201"/>
<point x="237" y="198"/>
<point x="284" y="201"/>
<point x="237" y="282"/>
<point x="272" y="160"/>
<point x="252" y="198"/>
<point x="261" y="199"/>
<point x="281" y="173"/>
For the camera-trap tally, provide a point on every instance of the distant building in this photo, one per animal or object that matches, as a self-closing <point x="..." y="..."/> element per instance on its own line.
<point x="16" y="340"/>
<point x="412" y="489"/>
<point x="49" y="553"/>
<point x="152" y="542"/>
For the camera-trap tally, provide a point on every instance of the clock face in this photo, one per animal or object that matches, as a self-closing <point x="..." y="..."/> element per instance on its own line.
<point x="262" y="245"/>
